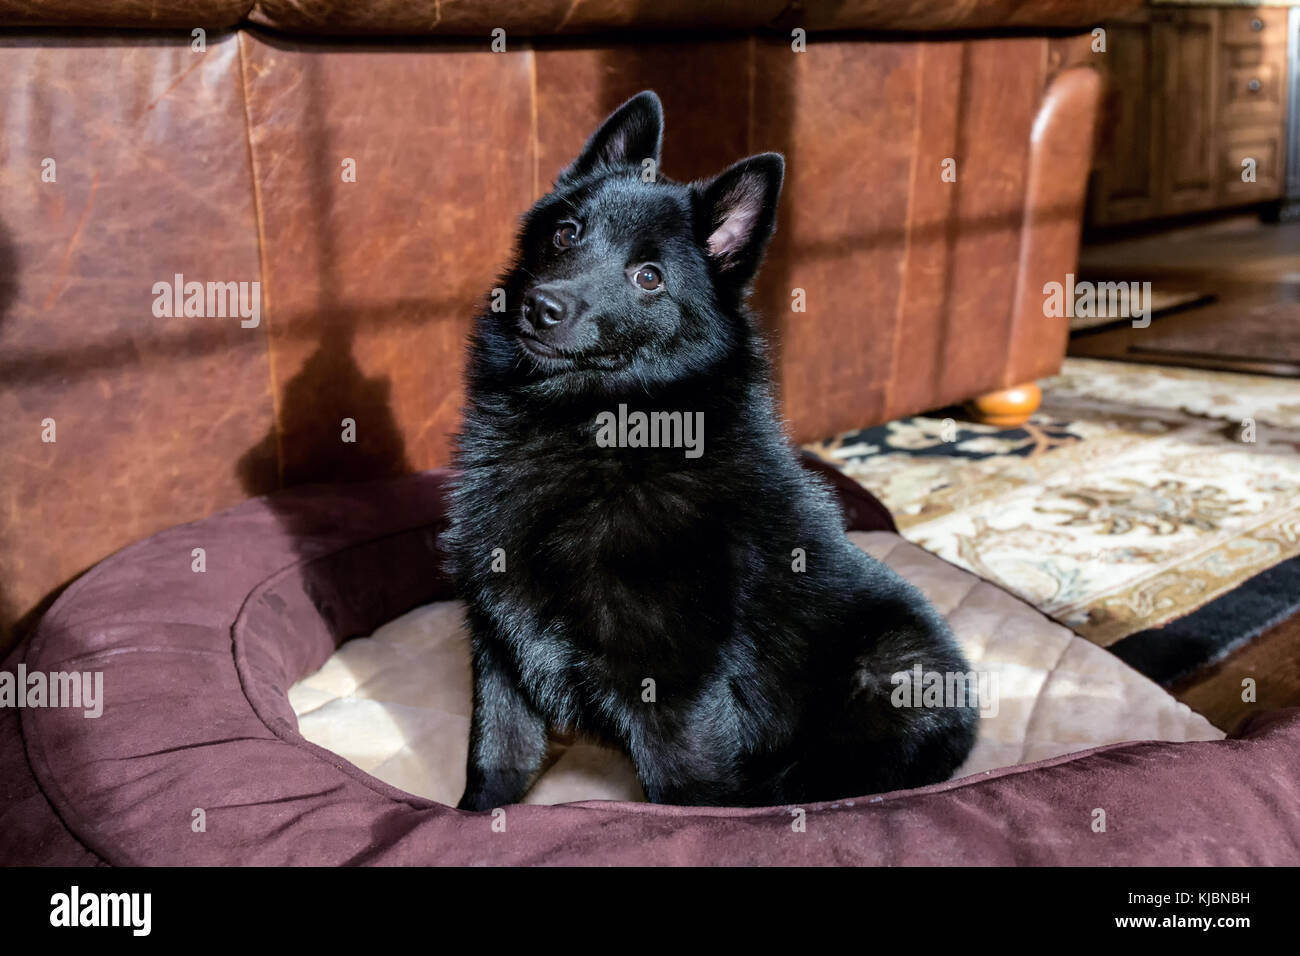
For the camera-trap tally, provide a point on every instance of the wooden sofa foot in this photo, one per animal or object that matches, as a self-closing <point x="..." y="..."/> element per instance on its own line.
<point x="1008" y="408"/>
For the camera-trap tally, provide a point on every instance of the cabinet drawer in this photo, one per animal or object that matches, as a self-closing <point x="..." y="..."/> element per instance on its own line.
<point x="1252" y="25"/>
<point x="1264" y="146"/>
<point x="1253" y="90"/>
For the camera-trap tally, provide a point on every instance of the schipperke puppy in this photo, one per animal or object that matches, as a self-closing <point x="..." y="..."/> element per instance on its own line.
<point x="643" y="558"/>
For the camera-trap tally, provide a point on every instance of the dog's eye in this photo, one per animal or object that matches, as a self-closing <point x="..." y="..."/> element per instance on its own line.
<point x="566" y="234"/>
<point x="648" y="278"/>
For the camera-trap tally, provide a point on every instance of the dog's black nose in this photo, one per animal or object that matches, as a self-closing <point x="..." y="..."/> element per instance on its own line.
<point x="543" y="309"/>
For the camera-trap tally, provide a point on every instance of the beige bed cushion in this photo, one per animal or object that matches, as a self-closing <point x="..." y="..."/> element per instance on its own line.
<point x="397" y="703"/>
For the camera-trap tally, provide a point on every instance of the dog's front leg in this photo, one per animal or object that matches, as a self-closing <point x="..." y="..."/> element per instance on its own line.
<point x="507" y="737"/>
<point x="681" y="764"/>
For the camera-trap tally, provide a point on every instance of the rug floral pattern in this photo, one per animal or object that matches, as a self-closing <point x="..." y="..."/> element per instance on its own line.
<point x="1134" y="496"/>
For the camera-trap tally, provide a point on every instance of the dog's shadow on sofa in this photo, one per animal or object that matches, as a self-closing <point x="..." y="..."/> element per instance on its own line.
<point x="333" y="423"/>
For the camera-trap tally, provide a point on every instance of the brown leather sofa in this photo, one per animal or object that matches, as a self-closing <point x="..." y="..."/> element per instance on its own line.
<point x="128" y="156"/>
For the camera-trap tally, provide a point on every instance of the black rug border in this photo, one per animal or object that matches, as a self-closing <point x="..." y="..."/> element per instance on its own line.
<point x="1185" y="645"/>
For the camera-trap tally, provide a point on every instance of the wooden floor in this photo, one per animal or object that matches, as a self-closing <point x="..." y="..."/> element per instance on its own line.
<point x="1252" y="324"/>
<point x="1250" y="268"/>
<point x="1269" y="666"/>
<point x="1241" y="250"/>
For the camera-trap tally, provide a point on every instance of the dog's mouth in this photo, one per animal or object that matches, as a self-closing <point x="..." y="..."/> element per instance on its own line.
<point x="549" y="358"/>
<point x="535" y="346"/>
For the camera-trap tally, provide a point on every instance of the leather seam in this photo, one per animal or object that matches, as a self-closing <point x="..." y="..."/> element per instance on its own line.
<point x="891" y="380"/>
<point x="260" y="225"/>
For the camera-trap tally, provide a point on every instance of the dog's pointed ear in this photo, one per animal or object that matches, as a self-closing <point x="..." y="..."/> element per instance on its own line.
<point x="737" y="214"/>
<point x="632" y="134"/>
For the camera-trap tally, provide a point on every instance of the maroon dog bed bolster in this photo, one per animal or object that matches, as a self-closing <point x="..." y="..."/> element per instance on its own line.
<point x="197" y="727"/>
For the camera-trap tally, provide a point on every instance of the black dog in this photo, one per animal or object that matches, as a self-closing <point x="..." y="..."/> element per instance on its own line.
<point x="643" y="558"/>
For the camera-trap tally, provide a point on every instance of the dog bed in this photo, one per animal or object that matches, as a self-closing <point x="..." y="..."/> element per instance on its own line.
<point x="198" y="756"/>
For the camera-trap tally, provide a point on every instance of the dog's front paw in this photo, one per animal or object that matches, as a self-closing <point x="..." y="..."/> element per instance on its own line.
<point x="494" y="788"/>
<point x="476" y="801"/>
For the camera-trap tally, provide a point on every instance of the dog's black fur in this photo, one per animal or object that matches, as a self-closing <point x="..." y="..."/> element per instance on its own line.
<point x="627" y="565"/>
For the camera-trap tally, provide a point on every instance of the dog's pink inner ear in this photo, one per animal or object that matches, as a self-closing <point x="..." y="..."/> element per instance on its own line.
<point x="736" y="215"/>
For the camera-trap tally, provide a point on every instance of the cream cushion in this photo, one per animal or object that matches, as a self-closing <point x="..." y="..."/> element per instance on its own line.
<point x="397" y="703"/>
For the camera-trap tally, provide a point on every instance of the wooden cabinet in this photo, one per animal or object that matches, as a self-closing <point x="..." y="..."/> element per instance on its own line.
<point x="1194" y="98"/>
<point x="1186" y="169"/>
<point x="1124" y="185"/>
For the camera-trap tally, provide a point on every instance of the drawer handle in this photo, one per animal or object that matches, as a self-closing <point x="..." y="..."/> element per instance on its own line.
<point x="1254" y="86"/>
<point x="1257" y="24"/>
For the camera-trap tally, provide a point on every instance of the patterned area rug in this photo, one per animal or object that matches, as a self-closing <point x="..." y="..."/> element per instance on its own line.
<point x="1136" y="494"/>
